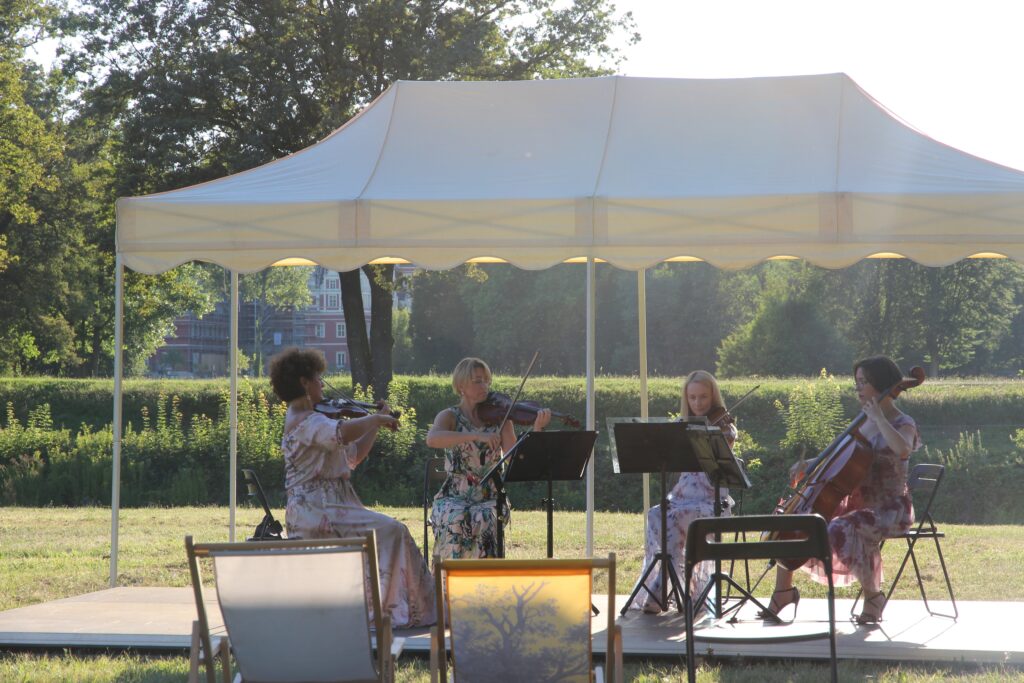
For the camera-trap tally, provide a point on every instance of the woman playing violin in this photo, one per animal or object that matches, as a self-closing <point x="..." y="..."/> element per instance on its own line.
<point x="464" y="512"/>
<point x="693" y="495"/>
<point x="880" y="507"/>
<point x="319" y="456"/>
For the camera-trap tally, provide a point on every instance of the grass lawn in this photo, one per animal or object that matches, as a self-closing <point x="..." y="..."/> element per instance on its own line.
<point x="51" y="553"/>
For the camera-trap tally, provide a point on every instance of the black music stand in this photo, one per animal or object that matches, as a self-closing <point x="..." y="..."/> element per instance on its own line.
<point x="551" y="456"/>
<point x="655" y="445"/>
<point x="723" y="469"/>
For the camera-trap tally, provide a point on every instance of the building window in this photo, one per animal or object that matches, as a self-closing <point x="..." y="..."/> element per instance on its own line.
<point x="340" y="331"/>
<point x="332" y="302"/>
<point x="277" y="339"/>
<point x="332" y="283"/>
<point x="319" y="330"/>
<point x="339" y="359"/>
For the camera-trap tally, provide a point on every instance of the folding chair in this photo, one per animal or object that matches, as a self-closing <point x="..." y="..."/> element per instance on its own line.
<point x="806" y="537"/>
<point x="521" y="620"/>
<point x="297" y="610"/>
<point x="269" y="529"/>
<point x="923" y="481"/>
<point x="433" y="475"/>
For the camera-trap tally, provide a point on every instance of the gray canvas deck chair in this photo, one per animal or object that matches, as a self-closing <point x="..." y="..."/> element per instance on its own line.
<point x="806" y="536"/>
<point x="297" y="610"/>
<point x="522" y="621"/>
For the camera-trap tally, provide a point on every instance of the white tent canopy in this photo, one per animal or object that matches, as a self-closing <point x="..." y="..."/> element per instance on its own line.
<point x="630" y="170"/>
<point x="633" y="171"/>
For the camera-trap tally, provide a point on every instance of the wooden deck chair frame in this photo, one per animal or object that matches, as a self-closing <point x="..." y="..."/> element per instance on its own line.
<point x="924" y="477"/>
<point x="810" y="541"/>
<point x="438" y="651"/>
<point x="388" y="648"/>
<point x="433" y="474"/>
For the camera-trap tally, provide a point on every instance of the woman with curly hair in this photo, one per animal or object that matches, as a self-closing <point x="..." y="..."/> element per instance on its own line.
<point x="319" y="456"/>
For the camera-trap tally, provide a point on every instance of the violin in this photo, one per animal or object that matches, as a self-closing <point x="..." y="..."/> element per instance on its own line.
<point x="720" y="417"/>
<point x="837" y="471"/>
<point x="343" y="407"/>
<point x="493" y="408"/>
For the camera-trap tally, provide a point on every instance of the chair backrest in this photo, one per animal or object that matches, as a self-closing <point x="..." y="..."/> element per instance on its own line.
<point x="924" y="480"/>
<point x="810" y="531"/>
<point x="269" y="529"/>
<point x="522" y="620"/>
<point x="297" y="610"/>
<point x="433" y="474"/>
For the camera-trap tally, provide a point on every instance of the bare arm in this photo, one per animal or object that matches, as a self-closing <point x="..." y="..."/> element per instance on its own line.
<point x="442" y="433"/>
<point x="901" y="440"/>
<point x="363" y="432"/>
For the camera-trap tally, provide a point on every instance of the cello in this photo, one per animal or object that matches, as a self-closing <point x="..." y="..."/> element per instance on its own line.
<point x="837" y="471"/>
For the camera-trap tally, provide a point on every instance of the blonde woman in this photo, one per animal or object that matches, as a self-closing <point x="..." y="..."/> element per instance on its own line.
<point x="693" y="496"/>
<point x="464" y="513"/>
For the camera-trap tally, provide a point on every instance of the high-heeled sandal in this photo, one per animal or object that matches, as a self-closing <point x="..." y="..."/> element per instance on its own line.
<point x="777" y="605"/>
<point x="864" y="618"/>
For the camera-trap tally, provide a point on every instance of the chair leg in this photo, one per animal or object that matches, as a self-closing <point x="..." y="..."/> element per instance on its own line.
<point x="945" y="574"/>
<point x="225" y="660"/>
<point x="193" y="655"/>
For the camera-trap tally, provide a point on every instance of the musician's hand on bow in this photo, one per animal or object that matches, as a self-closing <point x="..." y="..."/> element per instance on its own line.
<point x="543" y="418"/>
<point x="490" y="439"/>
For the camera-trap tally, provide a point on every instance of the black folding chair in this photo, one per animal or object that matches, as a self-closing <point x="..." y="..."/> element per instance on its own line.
<point x="433" y="475"/>
<point x="810" y="540"/>
<point x="269" y="529"/>
<point x="923" y="481"/>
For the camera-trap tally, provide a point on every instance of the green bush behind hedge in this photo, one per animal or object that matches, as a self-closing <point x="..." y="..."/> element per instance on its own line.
<point x="56" y="443"/>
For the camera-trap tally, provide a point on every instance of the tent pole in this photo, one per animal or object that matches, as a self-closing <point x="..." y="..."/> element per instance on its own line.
<point x="115" y="479"/>
<point x="591" y="312"/>
<point x="233" y="410"/>
<point x="641" y="308"/>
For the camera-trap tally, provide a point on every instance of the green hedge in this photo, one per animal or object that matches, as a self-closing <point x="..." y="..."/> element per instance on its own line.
<point x="176" y="441"/>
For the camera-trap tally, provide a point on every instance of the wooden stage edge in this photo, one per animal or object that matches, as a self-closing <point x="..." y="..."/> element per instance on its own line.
<point x="160" y="619"/>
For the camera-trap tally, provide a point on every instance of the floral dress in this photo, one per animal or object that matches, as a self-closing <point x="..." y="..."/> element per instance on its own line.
<point x="464" y="510"/>
<point x="692" y="497"/>
<point x="880" y="508"/>
<point x="323" y="504"/>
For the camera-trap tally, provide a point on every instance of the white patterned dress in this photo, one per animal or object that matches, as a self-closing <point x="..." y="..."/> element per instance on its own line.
<point x="323" y="504"/>
<point x="464" y="510"/>
<point x="692" y="497"/>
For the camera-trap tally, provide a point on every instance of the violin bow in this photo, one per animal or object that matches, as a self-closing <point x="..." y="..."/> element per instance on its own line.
<point x="745" y="396"/>
<point x="519" y="391"/>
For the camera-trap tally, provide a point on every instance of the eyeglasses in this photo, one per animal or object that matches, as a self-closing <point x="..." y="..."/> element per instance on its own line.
<point x="861" y="385"/>
<point x="481" y="382"/>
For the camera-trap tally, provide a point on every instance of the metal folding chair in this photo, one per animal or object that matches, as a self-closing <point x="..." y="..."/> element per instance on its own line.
<point x="433" y="475"/>
<point x="808" y="539"/>
<point x="923" y="481"/>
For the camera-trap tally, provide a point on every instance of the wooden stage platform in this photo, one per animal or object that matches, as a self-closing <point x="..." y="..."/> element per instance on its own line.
<point x="156" y="619"/>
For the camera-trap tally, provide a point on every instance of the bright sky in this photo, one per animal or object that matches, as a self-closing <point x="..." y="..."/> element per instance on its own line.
<point x="952" y="69"/>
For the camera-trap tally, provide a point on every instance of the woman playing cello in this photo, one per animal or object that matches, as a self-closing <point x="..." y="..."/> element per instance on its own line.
<point x="464" y="513"/>
<point x="879" y="508"/>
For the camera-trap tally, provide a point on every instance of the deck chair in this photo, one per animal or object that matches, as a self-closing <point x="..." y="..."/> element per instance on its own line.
<point x="806" y="536"/>
<point x="521" y="620"/>
<point x="297" y="610"/>
<point x="923" y="482"/>
<point x="433" y="475"/>
<point x="269" y="529"/>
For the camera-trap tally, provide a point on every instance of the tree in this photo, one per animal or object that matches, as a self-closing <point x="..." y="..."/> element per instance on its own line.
<point x="201" y="88"/>
<point x="271" y="290"/>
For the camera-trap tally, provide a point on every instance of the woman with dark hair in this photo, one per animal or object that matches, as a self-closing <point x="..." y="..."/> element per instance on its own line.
<point x="319" y="456"/>
<point x="879" y="508"/>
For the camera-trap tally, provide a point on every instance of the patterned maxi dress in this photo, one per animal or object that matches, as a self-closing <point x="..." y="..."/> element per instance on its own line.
<point x="463" y="514"/>
<point x="881" y="507"/>
<point x="323" y="504"/>
<point x="693" y="496"/>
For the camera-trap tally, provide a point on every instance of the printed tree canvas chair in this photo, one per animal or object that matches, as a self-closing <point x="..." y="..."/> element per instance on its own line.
<point x="295" y="610"/>
<point x="521" y="620"/>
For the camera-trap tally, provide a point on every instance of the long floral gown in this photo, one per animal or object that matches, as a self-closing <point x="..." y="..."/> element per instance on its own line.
<point x="464" y="510"/>
<point x="880" y="508"/>
<point x="692" y="497"/>
<point x="323" y="504"/>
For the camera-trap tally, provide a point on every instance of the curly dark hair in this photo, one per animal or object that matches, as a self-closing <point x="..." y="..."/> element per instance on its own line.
<point x="880" y="372"/>
<point x="289" y="366"/>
